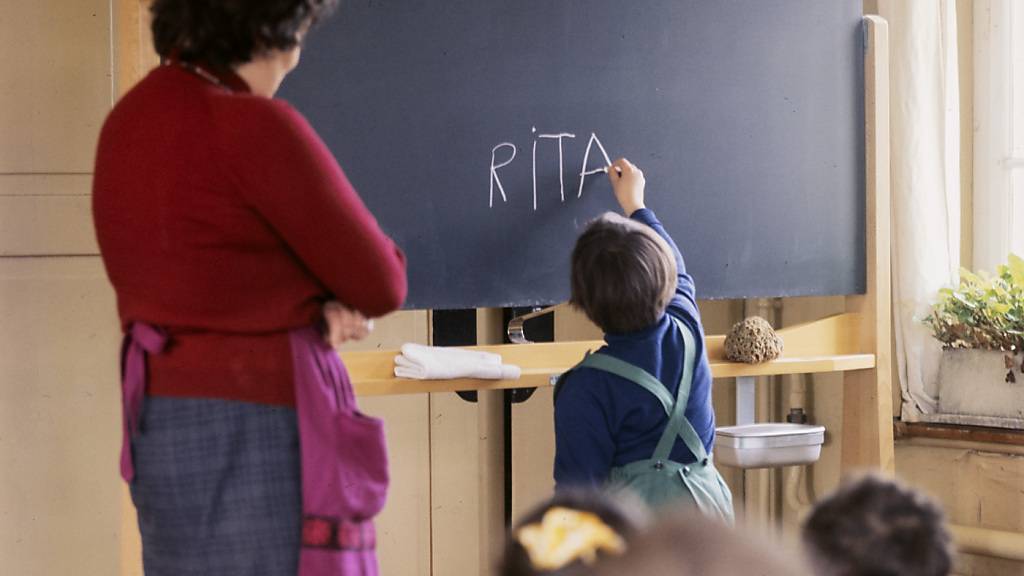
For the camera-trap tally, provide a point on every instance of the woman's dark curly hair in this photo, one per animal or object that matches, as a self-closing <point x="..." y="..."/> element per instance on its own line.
<point x="223" y="33"/>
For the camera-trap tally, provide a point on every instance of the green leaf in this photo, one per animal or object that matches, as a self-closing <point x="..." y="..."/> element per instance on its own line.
<point x="969" y="277"/>
<point x="1016" y="264"/>
<point x="963" y="300"/>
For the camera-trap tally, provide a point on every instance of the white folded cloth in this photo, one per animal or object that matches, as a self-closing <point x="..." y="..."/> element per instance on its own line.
<point x="438" y="363"/>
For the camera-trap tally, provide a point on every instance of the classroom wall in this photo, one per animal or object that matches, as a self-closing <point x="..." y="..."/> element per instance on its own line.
<point x="59" y="399"/>
<point x="978" y="485"/>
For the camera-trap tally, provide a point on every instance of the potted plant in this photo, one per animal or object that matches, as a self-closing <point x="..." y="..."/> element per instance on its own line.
<point x="980" y="324"/>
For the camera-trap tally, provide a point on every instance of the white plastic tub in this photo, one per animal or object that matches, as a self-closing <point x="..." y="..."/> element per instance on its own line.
<point x="768" y="445"/>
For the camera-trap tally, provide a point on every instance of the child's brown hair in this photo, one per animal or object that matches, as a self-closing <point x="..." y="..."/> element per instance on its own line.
<point x="623" y="274"/>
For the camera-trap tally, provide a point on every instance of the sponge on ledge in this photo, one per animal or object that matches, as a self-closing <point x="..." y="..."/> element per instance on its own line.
<point x="752" y="341"/>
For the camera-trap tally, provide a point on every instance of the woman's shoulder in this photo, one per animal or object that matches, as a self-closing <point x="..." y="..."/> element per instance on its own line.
<point x="241" y="121"/>
<point x="252" y="110"/>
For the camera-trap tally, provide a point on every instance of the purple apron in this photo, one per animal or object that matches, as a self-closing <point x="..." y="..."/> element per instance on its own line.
<point x="344" y="458"/>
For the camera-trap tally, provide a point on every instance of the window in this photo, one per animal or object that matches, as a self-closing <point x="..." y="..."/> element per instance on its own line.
<point x="998" y="131"/>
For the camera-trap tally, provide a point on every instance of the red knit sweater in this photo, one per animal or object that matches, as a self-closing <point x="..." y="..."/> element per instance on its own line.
<point x="223" y="218"/>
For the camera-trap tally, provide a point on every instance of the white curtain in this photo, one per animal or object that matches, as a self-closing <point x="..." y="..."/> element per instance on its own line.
<point x="925" y="128"/>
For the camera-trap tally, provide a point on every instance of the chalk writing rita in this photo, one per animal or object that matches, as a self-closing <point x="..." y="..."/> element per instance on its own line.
<point x="496" y="164"/>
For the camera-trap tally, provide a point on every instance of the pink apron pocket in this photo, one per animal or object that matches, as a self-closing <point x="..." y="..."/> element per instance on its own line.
<point x="362" y="463"/>
<point x="344" y="464"/>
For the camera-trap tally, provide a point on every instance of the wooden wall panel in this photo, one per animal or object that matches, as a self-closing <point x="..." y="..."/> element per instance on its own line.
<point x="60" y="425"/>
<point x="32" y="185"/>
<point x="59" y="398"/>
<point x="533" y="451"/>
<point x="133" y="52"/>
<point x="977" y="485"/>
<point x="46" y="214"/>
<point x="467" y="474"/>
<point x="403" y="529"/>
<point x="47" y="225"/>
<point x="56" y="85"/>
<point x="463" y="484"/>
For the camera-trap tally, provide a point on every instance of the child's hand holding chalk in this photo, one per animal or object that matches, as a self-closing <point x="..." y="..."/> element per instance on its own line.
<point x="628" y="184"/>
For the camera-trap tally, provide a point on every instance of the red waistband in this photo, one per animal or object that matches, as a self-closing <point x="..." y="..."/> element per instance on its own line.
<point x="251" y="368"/>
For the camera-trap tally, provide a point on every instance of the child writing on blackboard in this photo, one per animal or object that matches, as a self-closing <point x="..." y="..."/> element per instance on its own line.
<point x="636" y="415"/>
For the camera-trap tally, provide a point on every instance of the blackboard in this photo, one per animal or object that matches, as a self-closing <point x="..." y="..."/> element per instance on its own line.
<point x="745" y="115"/>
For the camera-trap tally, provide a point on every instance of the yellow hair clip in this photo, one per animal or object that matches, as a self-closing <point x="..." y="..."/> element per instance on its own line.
<point x="565" y="535"/>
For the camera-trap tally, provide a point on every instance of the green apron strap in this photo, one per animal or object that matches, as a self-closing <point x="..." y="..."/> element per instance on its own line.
<point x="675" y="409"/>
<point x="633" y="373"/>
<point x="678" y="425"/>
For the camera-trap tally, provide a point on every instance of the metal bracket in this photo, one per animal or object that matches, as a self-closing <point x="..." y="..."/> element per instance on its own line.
<point x="746" y="394"/>
<point x="515" y="331"/>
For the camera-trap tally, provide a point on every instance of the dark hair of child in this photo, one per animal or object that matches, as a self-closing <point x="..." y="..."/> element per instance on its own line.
<point x="623" y="274"/>
<point x="877" y="526"/>
<point x="615" y="518"/>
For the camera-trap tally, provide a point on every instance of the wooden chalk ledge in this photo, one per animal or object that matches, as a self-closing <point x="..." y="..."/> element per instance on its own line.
<point x="828" y="345"/>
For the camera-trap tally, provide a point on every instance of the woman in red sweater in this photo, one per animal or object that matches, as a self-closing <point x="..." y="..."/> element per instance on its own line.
<point x="228" y="229"/>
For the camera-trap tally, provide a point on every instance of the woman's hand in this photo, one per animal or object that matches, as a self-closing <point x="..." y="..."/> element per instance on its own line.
<point x="344" y="324"/>
<point x="628" y="183"/>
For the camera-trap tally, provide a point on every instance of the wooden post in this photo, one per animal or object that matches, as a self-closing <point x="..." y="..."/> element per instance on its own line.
<point x="867" y="438"/>
<point x="134" y="55"/>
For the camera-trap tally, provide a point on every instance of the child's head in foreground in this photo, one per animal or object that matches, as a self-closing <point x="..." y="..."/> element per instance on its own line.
<point x="686" y="543"/>
<point x="570" y="533"/>
<point x="623" y="274"/>
<point x="877" y="526"/>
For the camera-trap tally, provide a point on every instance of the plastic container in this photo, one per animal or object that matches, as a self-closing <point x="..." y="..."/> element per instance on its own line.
<point x="768" y="445"/>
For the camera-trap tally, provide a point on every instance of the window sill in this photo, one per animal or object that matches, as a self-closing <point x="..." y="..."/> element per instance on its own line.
<point x="958" y="432"/>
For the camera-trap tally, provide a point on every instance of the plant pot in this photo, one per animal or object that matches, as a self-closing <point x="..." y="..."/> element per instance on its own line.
<point x="975" y="389"/>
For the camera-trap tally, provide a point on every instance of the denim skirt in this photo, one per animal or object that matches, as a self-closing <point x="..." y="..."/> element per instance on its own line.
<point x="217" y="488"/>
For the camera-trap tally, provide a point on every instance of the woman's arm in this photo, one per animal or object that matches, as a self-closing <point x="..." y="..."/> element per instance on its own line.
<point x="342" y="324"/>
<point x="288" y="176"/>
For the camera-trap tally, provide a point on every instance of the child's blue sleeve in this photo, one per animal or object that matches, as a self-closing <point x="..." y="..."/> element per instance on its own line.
<point x="584" y="449"/>
<point x="685" y="297"/>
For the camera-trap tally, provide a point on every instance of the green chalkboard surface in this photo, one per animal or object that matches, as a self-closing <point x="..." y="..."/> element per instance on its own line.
<point x="469" y="128"/>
